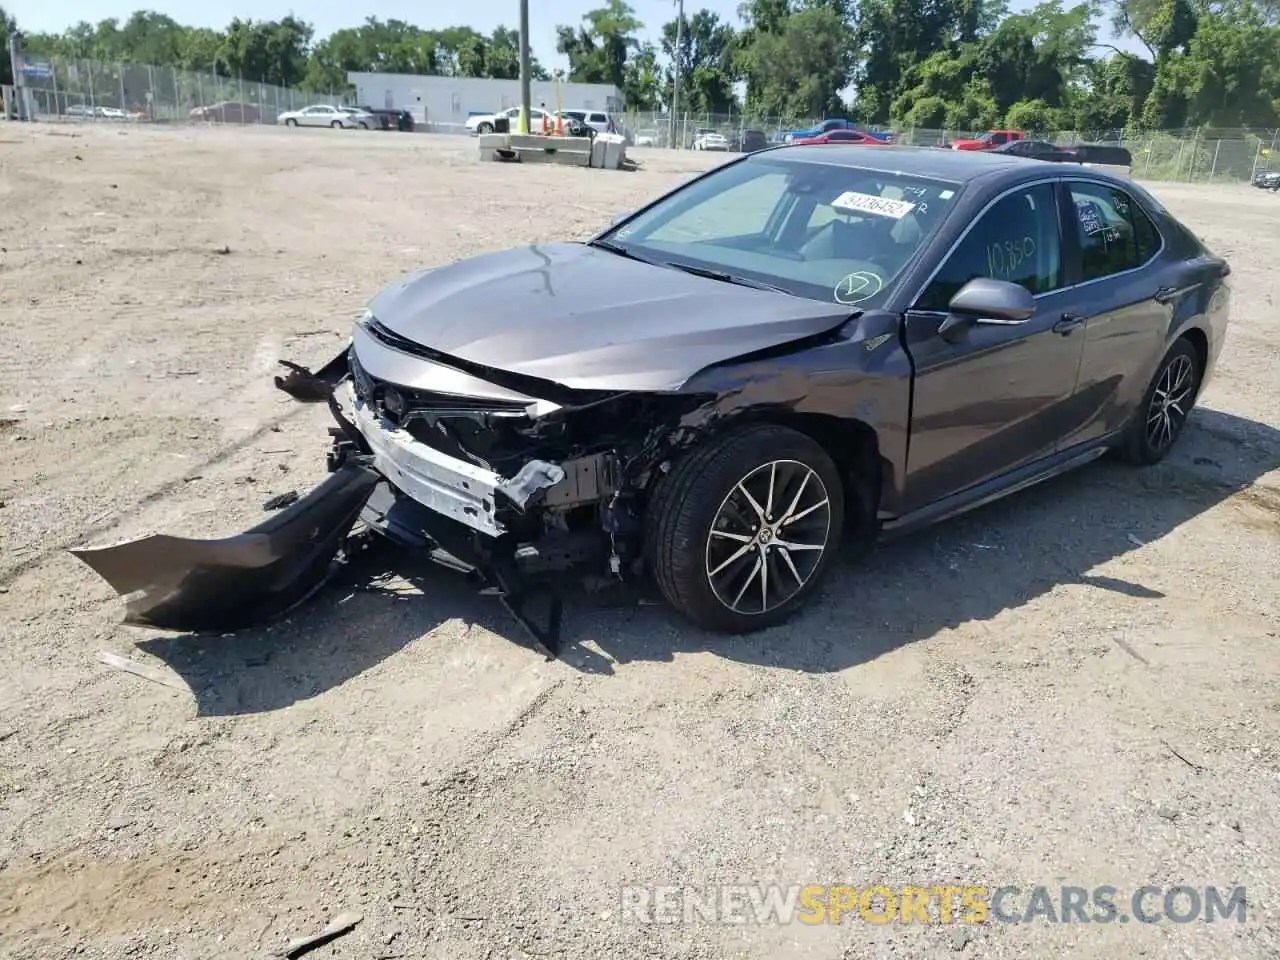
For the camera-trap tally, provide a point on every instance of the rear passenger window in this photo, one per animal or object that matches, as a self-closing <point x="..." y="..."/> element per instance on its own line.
<point x="1115" y="235"/>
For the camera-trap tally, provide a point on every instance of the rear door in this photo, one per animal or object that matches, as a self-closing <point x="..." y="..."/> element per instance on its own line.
<point x="318" y="116"/>
<point x="994" y="400"/>
<point x="1122" y="296"/>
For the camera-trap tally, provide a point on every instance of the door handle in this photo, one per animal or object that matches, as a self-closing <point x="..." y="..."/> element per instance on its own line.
<point x="1068" y="323"/>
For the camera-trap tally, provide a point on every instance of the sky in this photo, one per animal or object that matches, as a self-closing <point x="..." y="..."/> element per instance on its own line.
<point x="41" y="16"/>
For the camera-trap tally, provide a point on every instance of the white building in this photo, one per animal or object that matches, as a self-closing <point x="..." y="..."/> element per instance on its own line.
<point x="450" y="100"/>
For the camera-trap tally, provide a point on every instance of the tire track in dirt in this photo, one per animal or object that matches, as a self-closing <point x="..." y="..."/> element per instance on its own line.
<point x="14" y="570"/>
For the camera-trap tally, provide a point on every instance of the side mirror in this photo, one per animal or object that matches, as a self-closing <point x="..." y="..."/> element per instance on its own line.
<point x="984" y="301"/>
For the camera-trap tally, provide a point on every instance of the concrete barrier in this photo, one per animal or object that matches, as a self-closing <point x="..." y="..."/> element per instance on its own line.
<point x="608" y="151"/>
<point x="605" y="151"/>
<point x="529" y="148"/>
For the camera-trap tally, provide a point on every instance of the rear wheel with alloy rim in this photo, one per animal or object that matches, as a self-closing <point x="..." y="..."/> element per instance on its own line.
<point x="743" y="530"/>
<point x="1165" y="407"/>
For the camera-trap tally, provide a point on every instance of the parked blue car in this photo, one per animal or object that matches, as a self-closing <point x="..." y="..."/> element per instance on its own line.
<point x="837" y="123"/>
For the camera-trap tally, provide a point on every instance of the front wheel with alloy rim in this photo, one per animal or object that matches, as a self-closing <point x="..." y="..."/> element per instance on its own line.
<point x="743" y="530"/>
<point x="1165" y="407"/>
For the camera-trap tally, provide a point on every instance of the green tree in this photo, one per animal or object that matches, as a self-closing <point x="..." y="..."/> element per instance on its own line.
<point x="705" y="61"/>
<point x="895" y="37"/>
<point x="797" y="59"/>
<point x="7" y="25"/>
<point x="643" y="86"/>
<point x="1228" y="76"/>
<point x="966" y="64"/>
<point x="599" y="48"/>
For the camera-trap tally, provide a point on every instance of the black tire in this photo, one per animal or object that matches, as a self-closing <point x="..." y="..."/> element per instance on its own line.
<point x="484" y="128"/>
<point x="1152" y="434"/>
<point x="363" y="125"/>
<point x="291" y="122"/>
<point x="691" y="498"/>
<point x="336" y="125"/>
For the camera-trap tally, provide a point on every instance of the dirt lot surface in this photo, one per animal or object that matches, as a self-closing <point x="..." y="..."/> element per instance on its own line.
<point x="1076" y="686"/>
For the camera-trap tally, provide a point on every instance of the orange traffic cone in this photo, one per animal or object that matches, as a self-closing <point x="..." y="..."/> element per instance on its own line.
<point x="546" y="124"/>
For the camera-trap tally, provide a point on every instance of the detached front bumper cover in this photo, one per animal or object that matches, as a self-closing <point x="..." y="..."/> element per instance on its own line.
<point x="173" y="583"/>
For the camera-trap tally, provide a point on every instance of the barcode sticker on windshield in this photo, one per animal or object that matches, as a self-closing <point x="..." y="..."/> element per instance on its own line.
<point x="869" y="203"/>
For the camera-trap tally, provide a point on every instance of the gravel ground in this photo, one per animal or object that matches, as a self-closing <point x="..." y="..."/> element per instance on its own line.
<point x="1075" y="686"/>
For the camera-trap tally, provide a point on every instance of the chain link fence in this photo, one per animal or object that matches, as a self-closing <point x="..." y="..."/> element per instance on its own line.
<point x="1202" y="155"/>
<point x="98" y="90"/>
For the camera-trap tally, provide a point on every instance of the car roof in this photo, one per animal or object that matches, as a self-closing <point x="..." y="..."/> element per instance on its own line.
<point x="956" y="166"/>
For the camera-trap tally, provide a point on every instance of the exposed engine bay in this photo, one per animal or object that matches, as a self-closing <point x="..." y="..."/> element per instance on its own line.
<point x="521" y="492"/>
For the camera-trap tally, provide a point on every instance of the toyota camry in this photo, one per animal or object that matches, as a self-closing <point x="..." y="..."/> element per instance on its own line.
<point x="805" y="346"/>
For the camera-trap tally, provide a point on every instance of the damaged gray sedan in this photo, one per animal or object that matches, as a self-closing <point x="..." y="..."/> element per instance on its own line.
<point x="808" y="343"/>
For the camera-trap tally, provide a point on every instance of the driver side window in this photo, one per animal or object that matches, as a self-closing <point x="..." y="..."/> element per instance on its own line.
<point x="1016" y="240"/>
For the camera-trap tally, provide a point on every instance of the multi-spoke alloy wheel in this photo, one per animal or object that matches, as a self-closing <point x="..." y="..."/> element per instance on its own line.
<point x="1171" y="402"/>
<point x="768" y="537"/>
<point x="1164" y="410"/>
<point x="744" y="527"/>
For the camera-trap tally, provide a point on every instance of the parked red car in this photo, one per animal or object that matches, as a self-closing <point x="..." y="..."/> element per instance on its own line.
<point x="227" y="111"/>
<point x="843" y="136"/>
<point x="989" y="140"/>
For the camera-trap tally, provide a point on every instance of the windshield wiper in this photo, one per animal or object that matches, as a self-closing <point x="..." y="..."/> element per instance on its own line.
<point x="724" y="277"/>
<point x="619" y="249"/>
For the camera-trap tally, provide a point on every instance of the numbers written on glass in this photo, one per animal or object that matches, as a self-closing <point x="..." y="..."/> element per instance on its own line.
<point x="1005" y="257"/>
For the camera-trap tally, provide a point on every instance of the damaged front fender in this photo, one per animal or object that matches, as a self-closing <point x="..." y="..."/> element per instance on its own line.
<point x="172" y="583"/>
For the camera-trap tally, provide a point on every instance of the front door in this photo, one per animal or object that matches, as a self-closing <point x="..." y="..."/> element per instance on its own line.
<point x="995" y="399"/>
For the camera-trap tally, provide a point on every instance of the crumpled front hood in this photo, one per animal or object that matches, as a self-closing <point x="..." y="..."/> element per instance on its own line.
<point x="590" y="319"/>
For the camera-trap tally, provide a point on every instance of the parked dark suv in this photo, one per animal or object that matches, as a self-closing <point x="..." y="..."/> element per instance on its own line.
<point x="749" y="141"/>
<point x="390" y="119"/>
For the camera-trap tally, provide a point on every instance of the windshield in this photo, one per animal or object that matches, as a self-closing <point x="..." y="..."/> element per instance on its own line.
<point x="817" y="230"/>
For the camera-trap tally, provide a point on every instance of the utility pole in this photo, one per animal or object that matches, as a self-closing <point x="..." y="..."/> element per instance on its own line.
<point x="18" y="107"/>
<point x="525" y="96"/>
<point x="675" y="73"/>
